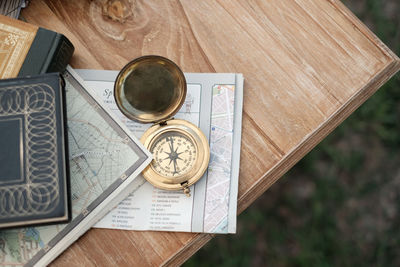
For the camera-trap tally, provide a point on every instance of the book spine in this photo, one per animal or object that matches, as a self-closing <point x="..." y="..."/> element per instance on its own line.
<point x="49" y="52"/>
<point x="59" y="55"/>
<point x="66" y="146"/>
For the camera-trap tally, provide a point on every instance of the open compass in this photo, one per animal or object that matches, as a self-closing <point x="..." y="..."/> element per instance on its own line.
<point x="151" y="89"/>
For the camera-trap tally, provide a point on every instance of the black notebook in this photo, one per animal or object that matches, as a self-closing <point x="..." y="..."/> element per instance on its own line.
<point x="33" y="151"/>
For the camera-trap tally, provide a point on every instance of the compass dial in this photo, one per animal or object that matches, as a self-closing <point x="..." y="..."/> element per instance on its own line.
<point x="180" y="154"/>
<point x="174" y="154"/>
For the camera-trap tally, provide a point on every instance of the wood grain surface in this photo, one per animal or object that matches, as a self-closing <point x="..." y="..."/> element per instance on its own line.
<point x="308" y="64"/>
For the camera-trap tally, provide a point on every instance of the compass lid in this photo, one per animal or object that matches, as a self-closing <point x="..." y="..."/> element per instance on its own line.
<point x="150" y="89"/>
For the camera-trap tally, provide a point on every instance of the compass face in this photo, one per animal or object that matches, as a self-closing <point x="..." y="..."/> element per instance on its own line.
<point x="174" y="154"/>
<point x="180" y="155"/>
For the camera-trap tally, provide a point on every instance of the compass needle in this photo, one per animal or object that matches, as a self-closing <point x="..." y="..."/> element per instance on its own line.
<point x="175" y="172"/>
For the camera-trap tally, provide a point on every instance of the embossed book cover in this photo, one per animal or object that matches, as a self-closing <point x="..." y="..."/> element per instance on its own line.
<point x="26" y="49"/>
<point x="33" y="153"/>
<point x="104" y="160"/>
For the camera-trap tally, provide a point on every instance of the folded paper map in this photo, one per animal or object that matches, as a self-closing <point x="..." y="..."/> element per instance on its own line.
<point x="214" y="103"/>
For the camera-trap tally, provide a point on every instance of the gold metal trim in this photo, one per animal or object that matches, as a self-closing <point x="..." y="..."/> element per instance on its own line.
<point x="200" y="166"/>
<point x="179" y="91"/>
<point x="151" y="89"/>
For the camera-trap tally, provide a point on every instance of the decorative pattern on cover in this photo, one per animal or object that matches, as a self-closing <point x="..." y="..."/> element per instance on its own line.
<point x="26" y="49"/>
<point x="15" y="41"/>
<point x="104" y="162"/>
<point x="32" y="158"/>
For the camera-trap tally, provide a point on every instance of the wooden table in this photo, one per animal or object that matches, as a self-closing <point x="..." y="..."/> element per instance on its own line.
<point x="308" y="64"/>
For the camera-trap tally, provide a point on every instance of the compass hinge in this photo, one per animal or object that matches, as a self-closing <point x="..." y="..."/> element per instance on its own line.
<point x="164" y="122"/>
<point x="186" y="188"/>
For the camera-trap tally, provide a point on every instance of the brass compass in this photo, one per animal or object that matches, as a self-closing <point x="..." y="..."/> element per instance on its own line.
<point x="151" y="89"/>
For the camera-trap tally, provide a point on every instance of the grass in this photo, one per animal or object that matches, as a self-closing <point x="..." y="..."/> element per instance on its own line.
<point x="340" y="205"/>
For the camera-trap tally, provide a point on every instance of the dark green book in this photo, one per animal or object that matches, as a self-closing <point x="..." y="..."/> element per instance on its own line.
<point x="26" y="49"/>
<point x="34" y="173"/>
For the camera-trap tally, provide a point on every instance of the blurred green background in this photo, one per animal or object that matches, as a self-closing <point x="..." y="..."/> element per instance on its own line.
<point x="340" y="205"/>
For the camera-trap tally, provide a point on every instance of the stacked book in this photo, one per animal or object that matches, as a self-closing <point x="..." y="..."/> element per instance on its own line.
<point x="34" y="172"/>
<point x="54" y="168"/>
<point x="68" y="155"/>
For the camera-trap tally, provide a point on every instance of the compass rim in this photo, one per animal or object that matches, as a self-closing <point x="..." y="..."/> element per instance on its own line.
<point x="198" y="169"/>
